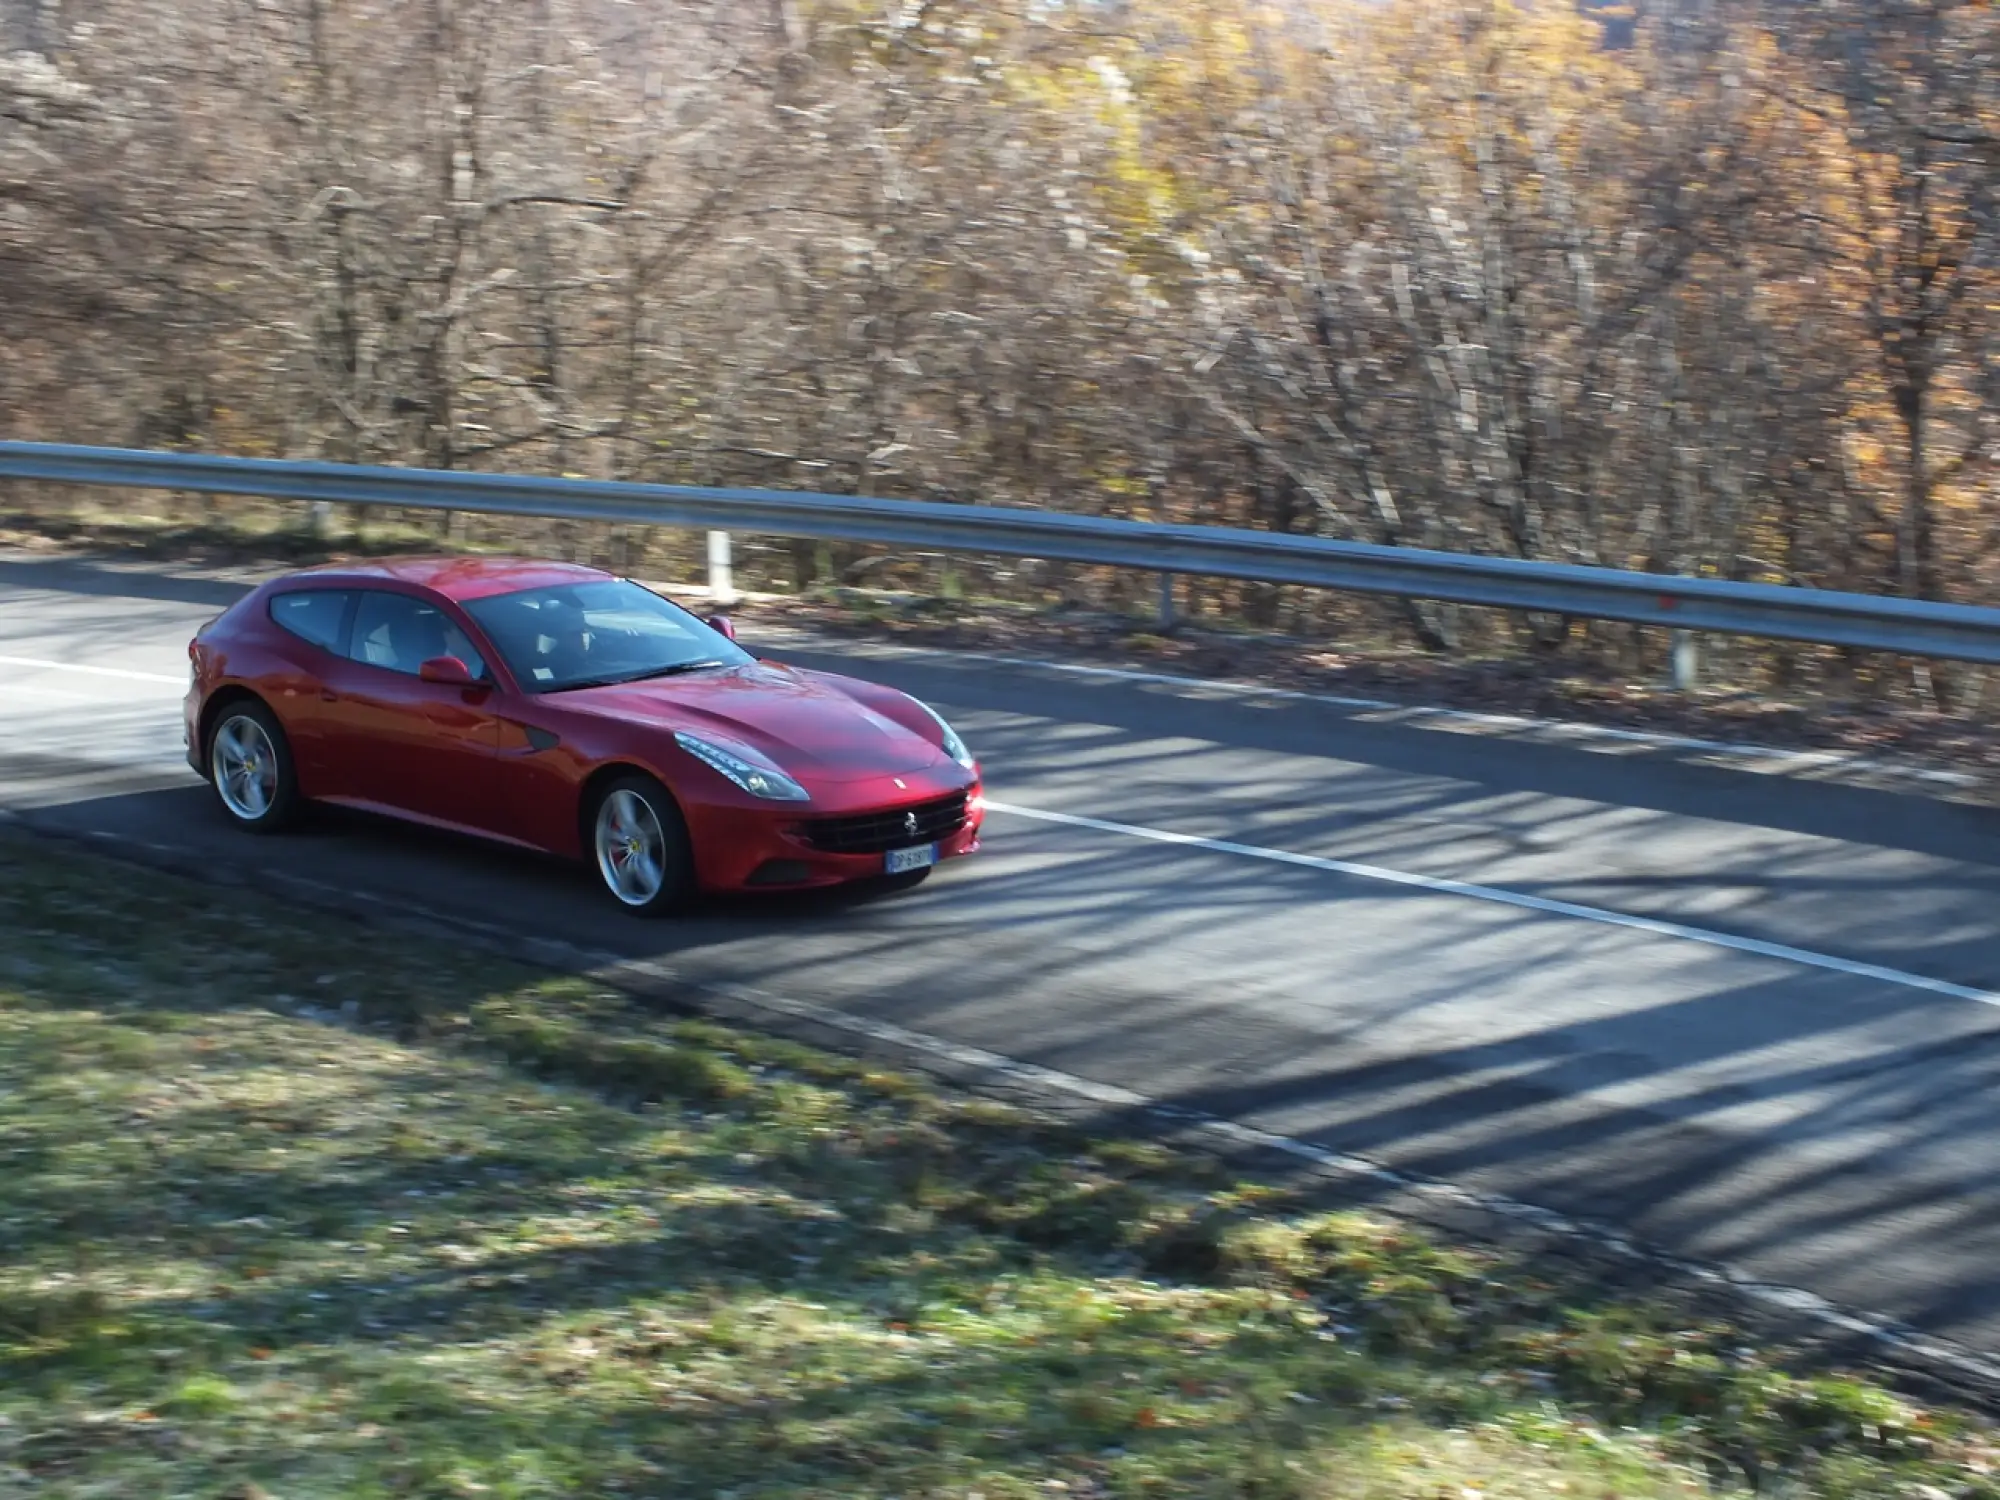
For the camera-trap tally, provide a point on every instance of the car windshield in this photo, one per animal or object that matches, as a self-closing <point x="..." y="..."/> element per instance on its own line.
<point x="599" y="632"/>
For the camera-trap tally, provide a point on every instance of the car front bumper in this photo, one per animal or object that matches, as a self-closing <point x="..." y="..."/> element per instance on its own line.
<point x="784" y="848"/>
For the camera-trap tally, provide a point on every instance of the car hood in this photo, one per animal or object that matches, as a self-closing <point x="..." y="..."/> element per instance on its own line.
<point x="812" y="729"/>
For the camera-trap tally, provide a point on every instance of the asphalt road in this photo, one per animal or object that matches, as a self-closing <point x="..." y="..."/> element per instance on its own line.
<point x="1786" y="1065"/>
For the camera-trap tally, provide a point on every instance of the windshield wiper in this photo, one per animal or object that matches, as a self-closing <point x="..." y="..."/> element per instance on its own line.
<point x="677" y="668"/>
<point x="672" y="670"/>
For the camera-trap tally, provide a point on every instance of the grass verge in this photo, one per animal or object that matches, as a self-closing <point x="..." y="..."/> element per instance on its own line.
<point x="291" y="1208"/>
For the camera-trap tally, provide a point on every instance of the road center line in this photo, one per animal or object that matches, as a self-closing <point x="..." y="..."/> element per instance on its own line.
<point x="70" y="666"/>
<point x="1503" y="897"/>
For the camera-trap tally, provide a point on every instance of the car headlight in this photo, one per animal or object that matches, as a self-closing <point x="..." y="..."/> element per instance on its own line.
<point x="746" y="768"/>
<point x="953" y="745"/>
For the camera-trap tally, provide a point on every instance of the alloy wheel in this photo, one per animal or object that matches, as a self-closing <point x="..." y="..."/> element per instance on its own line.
<point x="631" y="848"/>
<point x="246" y="768"/>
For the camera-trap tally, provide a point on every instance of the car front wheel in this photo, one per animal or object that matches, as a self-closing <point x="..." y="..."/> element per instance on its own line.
<point x="641" y="847"/>
<point x="250" y="767"/>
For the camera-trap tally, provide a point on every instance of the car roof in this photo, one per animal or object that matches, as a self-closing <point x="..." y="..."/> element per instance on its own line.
<point x="457" y="578"/>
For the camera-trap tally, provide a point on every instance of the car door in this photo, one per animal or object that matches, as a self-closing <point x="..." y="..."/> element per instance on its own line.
<point x="423" y="748"/>
<point x="313" y="621"/>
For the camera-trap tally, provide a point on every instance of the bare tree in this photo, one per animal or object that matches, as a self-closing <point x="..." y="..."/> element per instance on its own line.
<point x="1717" y="299"/>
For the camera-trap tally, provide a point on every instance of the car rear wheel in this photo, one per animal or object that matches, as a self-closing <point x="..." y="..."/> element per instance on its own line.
<point x="250" y="767"/>
<point x="643" y="854"/>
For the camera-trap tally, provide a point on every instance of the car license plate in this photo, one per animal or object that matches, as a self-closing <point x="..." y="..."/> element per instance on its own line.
<point x="899" y="860"/>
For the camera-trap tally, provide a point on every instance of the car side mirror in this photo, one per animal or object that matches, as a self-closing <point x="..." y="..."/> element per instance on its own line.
<point x="724" y="624"/>
<point x="448" y="670"/>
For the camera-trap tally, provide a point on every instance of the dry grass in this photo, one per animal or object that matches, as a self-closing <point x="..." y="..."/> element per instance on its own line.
<point x="289" y="1208"/>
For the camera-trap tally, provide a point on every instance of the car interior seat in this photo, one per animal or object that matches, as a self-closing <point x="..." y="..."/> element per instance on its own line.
<point x="419" y="637"/>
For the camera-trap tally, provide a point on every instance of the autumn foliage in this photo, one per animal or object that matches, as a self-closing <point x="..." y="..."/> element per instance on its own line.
<point x="1708" y="288"/>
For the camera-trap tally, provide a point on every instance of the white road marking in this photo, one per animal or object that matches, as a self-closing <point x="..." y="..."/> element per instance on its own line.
<point x="1498" y="895"/>
<point x="41" y="664"/>
<point x="1439" y="885"/>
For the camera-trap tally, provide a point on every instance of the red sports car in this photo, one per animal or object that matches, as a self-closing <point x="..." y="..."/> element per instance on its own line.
<point x="569" y="710"/>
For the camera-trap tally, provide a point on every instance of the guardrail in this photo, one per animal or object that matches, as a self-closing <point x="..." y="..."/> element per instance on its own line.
<point x="1870" y="622"/>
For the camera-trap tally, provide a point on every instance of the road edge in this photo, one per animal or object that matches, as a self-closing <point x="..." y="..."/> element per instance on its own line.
<point x="1935" y="1367"/>
<point x="1899" y="773"/>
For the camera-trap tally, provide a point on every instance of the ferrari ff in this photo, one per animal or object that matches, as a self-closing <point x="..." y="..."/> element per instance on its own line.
<point x="568" y="710"/>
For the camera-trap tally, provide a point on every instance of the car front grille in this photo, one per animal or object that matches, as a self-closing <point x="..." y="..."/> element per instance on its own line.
<point x="879" y="832"/>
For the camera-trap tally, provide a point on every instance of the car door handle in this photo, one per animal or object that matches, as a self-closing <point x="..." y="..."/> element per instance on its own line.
<point x="328" y="695"/>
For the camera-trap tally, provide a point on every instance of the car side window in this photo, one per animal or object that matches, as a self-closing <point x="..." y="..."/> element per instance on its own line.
<point x="401" y="633"/>
<point x="313" y="615"/>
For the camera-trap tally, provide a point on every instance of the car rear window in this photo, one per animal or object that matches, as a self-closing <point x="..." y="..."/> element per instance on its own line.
<point x="314" y="615"/>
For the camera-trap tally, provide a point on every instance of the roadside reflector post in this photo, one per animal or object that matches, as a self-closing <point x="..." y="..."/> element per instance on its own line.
<point x="1687" y="661"/>
<point x="1166" y="601"/>
<point x="721" y="583"/>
